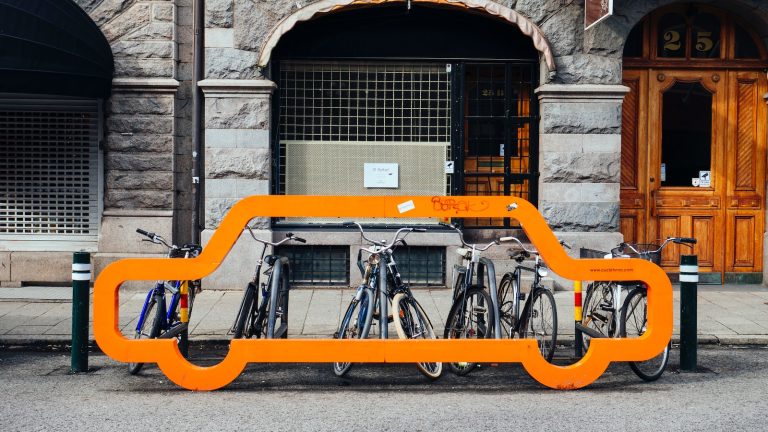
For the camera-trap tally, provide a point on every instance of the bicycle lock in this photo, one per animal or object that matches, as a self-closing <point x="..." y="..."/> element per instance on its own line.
<point x="689" y="280"/>
<point x="81" y="287"/>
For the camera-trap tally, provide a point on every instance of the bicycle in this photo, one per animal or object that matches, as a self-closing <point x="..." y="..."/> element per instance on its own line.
<point x="472" y="314"/>
<point x="605" y="313"/>
<point x="382" y="286"/>
<point x="538" y="318"/>
<point x="157" y="318"/>
<point x="253" y="312"/>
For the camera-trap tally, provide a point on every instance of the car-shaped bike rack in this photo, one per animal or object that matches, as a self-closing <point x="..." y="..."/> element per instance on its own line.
<point x="166" y="354"/>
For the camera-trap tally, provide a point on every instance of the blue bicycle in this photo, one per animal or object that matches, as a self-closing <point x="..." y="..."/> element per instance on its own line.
<point x="159" y="319"/>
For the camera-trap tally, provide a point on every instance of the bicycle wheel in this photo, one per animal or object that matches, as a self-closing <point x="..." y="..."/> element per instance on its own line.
<point x="633" y="324"/>
<point x="355" y="325"/>
<point x="597" y="311"/>
<point x="150" y="328"/>
<point x="277" y="308"/>
<point x="505" y="293"/>
<point x="541" y="321"/>
<point x="411" y="323"/>
<point x="471" y="317"/>
<point x="243" y="322"/>
<point x="457" y="287"/>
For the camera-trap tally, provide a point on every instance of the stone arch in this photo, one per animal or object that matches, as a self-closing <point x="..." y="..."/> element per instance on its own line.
<point x="526" y="26"/>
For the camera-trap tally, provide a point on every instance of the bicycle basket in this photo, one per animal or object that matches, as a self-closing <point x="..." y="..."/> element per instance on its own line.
<point x="647" y="251"/>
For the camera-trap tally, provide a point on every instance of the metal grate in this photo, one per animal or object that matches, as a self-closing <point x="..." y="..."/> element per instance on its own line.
<point x="317" y="265"/>
<point x="421" y="265"/>
<point x="335" y="117"/>
<point x="49" y="163"/>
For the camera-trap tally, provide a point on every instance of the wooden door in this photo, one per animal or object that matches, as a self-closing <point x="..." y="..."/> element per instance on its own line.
<point x="679" y="125"/>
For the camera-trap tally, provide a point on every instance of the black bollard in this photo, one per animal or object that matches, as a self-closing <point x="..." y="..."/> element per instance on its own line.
<point x="689" y="280"/>
<point x="81" y="287"/>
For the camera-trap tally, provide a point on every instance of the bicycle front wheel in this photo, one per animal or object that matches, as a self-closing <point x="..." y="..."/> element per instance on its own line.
<point x="244" y="320"/>
<point x="355" y="325"/>
<point x="150" y="327"/>
<point x="411" y="322"/>
<point x="634" y="316"/>
<point x="597" y="313"/>
<point x="541" y="322"/>
<point x="471" y="317"/>
<point x="505" y="296"/>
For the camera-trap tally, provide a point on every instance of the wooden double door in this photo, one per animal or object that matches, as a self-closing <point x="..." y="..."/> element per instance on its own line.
<point x="693" y="165"/>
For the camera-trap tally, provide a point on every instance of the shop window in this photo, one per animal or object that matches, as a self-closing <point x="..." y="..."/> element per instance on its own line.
<point x="686" y="145"/>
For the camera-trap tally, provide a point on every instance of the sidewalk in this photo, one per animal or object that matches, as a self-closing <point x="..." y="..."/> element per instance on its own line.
<point x="727" y="314"/>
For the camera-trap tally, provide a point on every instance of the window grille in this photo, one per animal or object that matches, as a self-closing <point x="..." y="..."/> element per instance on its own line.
<point x="49" y="169"/>
<point x="317" y="265"/>
<point x="335" y="117"/>
<point x="421" y="265"/>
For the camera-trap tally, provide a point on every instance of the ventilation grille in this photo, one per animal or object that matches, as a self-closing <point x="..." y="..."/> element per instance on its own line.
<point x="49" y="170"/>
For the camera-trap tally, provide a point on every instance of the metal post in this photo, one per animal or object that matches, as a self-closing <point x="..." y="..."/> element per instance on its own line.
<point x="184" y="318"/>
<point x="689" y="279"/>
<point x="577" y="338"/>
<point x="383" y="312"/>
<point x="81" y="281"/>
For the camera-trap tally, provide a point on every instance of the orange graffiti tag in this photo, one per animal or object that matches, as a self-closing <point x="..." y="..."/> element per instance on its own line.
<point x="166" y="354"/>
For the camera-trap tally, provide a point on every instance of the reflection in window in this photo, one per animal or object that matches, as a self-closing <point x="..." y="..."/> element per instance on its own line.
<point x="672" y="36"/>
<point x="686" y="141"/>
<point x="745" y="45"/>
<point x="705" y="33"/>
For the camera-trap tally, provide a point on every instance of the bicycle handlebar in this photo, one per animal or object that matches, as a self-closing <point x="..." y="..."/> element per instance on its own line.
<point x="497" y="241"/>
<point x="384" y="246"/>
<point x="154" y="238"/>
<point x="288" y="237"/>
<point x="688" y="241"/>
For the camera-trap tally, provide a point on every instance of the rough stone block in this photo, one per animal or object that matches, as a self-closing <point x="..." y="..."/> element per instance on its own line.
<point x="140" y="124"/>
<point x="588" y="69"/>
<point x="242" y="163"/>
<point x="140" y="180"/>
<point x="138" y="16"/>
<point x="580" y="167"/>
<point x="156" y="31"/>
<point x="237" y="113"/>
<point x="581" y="216"/>
<point x="144" y="68"/>
<point x="219" y="13"/>
<point x="564" y="29"/>
<point x="144" y="104"/>
<point x="237" y="138"/>
<point x="162" y="12"/>
<point x="143" y="49"/>
<point x="139" y="143"/>
<point x="581" y="118"/>
<point x="230" y="63"/>
<point x="127" y="199"/>
<point x="215" y="209"/>
<point x="139" y="162"/>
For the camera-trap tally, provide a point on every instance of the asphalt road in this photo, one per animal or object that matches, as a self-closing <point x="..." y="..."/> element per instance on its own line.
<point x="729" y="392"/>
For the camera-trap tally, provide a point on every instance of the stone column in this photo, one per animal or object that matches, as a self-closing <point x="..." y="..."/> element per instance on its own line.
<point x="237" y="164"/>
<point x="580" y="162"/>
<point x="139" y="167"/>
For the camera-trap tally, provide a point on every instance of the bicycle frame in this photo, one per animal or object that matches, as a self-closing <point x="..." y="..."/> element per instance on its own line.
<point x="517" y="275"/>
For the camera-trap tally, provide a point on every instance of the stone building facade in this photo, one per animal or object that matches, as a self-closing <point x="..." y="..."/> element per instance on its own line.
<point x="575" y="100"/>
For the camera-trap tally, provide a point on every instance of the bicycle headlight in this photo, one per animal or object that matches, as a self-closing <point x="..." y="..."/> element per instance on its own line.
<point x="543" y="271"/>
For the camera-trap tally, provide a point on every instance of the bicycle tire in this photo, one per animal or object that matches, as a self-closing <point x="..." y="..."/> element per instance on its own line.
<point x="633" y="320"/>
<point x="243" y="321"/>
<point x="506" y="306"/>
<point x="593" y="315"/>
<point x="412" y="322"/>
<point x="457" y="287"/>
<point x="352" y="328"/>
<point x="459" y="323"/>
<point x="541" y="321"/>
<point x="154" y="312"/>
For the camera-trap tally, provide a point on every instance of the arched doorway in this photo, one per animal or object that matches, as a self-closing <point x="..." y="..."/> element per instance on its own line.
<point x="694" y="139"/>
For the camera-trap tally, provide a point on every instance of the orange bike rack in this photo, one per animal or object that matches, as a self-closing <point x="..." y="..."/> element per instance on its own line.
<point x="166" y="354"/>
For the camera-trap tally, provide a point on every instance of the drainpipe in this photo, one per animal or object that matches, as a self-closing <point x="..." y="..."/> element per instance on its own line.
<point x="198" y="28"/>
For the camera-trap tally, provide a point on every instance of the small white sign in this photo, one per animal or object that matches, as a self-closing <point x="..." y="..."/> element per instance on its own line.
<point x="381" y="175"/>
<point x="501" y="150"/>
<point x="705" y="178"/>
<point x="449" y="167"/>
<point x="406" y="206"/>
<point x="663" y="172"/>
<point x="696" y="182"/>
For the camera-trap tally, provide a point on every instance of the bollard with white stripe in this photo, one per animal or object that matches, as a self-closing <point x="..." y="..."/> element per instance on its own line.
<point x="81" y="287"/>
<point x="689" y="280"/>
<point x="577" y="338"/>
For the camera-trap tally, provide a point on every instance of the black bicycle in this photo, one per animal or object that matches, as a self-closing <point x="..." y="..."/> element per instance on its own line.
<point x="382" y="286"/>
<point x="158" y="318"/>
<point x="264" y="303"/>
<point x="605" y="315"/>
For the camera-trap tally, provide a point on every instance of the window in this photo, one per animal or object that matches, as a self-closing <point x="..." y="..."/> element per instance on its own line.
<point x="686" y="141"/>
<point x="49" y="170"/>
<point x="421" y="265"/>
<point x="317" y="265"/>
<point x="672" y="36"/>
